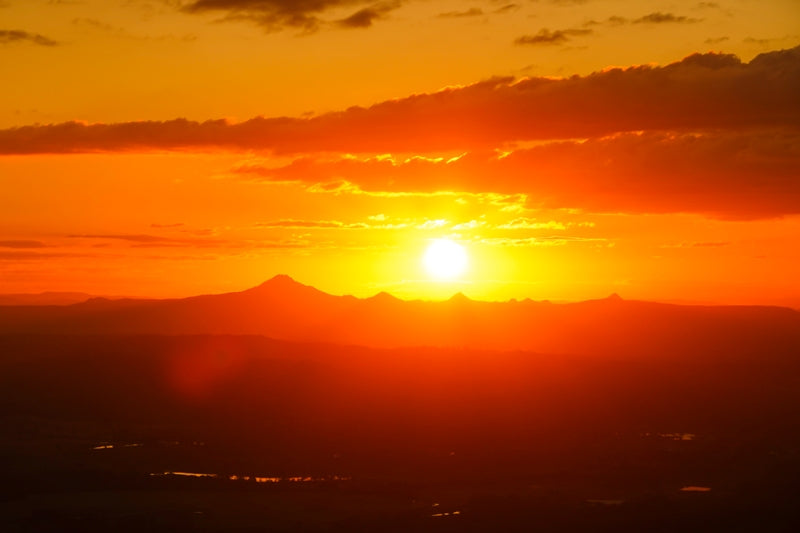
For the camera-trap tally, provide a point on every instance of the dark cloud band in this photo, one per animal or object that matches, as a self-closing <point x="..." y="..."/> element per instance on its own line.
<point x="703" y="91"/>
<point x="306" y="15"/>
<point x="19" y="36"/>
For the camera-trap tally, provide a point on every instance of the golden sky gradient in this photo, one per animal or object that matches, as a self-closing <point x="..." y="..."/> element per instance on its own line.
<point x="575" y="148"/>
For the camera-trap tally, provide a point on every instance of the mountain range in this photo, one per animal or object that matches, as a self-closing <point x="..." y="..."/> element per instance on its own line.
<point x="44" y="298"/>
<point x="281" y="308"/>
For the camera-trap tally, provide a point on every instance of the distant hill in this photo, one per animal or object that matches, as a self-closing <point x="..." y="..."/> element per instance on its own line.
<point x="44" y="298"/>
<point x="282" y="308"/>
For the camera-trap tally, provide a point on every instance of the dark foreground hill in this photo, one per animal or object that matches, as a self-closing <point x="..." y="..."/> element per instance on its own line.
<point x="220" y="433"/>
<point x="284" y="309"/>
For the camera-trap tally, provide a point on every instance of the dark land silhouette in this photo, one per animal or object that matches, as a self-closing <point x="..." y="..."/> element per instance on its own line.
<point x="283" y="408"/>
<point x="282" y="308"/>
<point x="45" y="298"/>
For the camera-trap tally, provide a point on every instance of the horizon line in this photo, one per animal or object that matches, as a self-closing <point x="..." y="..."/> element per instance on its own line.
<point x="614" y="296"/>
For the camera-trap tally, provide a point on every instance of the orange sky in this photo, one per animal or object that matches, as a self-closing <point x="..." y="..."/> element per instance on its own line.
<point x="575" y="148"/>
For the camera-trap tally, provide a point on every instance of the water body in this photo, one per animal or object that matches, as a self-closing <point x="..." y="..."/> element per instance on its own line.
<point x="256" y="479"/>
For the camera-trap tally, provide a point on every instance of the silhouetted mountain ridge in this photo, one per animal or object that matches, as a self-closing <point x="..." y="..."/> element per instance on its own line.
<point x="44" y="298"/>
<point x="282" y="308"/>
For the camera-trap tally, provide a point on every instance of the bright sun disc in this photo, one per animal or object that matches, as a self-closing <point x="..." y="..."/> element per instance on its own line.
<point x="445" y="259"/>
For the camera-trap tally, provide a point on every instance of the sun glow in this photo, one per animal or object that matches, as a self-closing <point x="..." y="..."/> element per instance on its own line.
<point x="445" y="259"/>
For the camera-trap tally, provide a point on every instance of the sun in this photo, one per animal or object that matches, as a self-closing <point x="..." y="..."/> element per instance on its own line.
<point x="445" y="259"/>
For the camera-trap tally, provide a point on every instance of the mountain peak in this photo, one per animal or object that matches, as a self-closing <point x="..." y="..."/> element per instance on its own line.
<point x="281" y="284"/>
<point x="280" y="280"/>
<point x="459" y="297"/>
<point x="384" y="296"/>
<point x="614" y="298"/>
<point x="286" y="291"/>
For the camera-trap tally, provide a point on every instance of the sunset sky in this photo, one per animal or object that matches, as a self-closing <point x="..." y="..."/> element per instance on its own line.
<point x="575" y="148"/>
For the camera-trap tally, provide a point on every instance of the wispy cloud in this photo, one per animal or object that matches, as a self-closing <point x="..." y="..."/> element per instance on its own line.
<point x="364" y="18"/>
<point x="539" y="241"/>
<point x="665" y="18"/>
<point x="22" y="244"/>
<point x="548" y="37"/>
<point x="305" y="15"/>
<point x="528" y="224"/>
<point x="696" y="244"/>
<point x="723" y="175"/>
<point x="19" y="36"/>
<point x="171" y="225"/>
<point x="472" y="12"/>
<point x="568" y="2"/>
<point x="312" y="224"/>
<point x="93" y="24"/>
<point x="144" y="240"/>
<point x="508" y="8"/>
<point x="656" y="17"/>
<point x="19" y="255"/>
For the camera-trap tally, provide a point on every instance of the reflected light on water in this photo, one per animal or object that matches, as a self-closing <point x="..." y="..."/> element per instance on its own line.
<point x="257" y="479"/>
<point x="184" y="474"/>
<point x="671" y="436"/>
<point x="108" y="446"/>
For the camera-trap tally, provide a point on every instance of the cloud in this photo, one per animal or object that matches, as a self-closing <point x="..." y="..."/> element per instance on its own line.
<point x="154" y="241"/>
<point x="762" y="42"/>
<point x="506" y="203"/>
<point x="375" y="223"/>
<point x="704" y="244"/>
<point x="145" y="241"/>
<point x="547" y="37"/>
<point x="528" y="224"/>
<point x="124" y="237"/>
<point x="703" y="91"/>
<point x="363" y="18"/>
<point x="538" y="241"/>
<point x="305" y="15"/>
<point x="472" y="12"/>
<point x="615" y="20"/>
<point x="710" y="244"/>
<point x="651" y="18"/>
<point x="733" y="175"/>
<point x="665" y="18"/>
<point x="22" y="244"/>
<point x="92" y="24"/>
<point x="312" y="224"/>
<point x="34" y="256"/>
<point x="568" y="2"/>
<point x="19" y="36"/>
<point x="508" y="8"/>
<point x="172" y="225"/>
